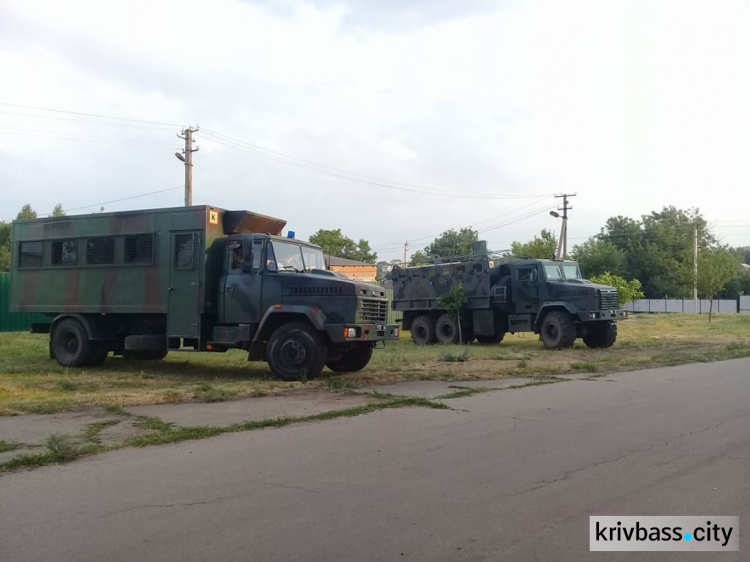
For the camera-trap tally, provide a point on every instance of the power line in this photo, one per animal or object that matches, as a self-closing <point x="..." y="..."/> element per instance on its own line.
<point x="270" y="154"/>
<point x="116" y="200"/>
<point x="97" y="115"/>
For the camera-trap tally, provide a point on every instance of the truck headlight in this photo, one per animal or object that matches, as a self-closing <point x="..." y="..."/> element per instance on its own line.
<point x="351" y="332"/>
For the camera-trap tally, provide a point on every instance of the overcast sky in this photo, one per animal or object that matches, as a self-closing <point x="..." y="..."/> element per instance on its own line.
<point x="393" y="120"/>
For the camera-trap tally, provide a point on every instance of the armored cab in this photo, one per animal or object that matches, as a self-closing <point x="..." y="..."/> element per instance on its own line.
<point x="546" y="297"/>
<point x="143" y="283"/>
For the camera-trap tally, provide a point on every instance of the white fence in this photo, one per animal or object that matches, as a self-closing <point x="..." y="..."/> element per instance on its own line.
<point x="700" y="306"/>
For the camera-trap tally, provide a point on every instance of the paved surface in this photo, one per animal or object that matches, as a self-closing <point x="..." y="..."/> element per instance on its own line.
<point x="505" y="475"/>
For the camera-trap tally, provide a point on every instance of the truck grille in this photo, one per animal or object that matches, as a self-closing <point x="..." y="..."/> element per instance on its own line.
<point x="372" y="310"/>
<point x="610" y="300"/>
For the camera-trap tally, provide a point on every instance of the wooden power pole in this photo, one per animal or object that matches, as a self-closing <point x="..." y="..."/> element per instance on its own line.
<point x="187" y="158"/>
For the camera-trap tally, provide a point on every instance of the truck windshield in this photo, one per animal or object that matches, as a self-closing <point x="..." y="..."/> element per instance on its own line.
<point x="552" y="272"/>
<point x="571" y="271"/>
<point x="284" y="256"/>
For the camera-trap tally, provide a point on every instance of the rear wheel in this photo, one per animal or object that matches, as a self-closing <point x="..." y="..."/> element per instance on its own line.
<point x="99" y="352"/>
<point x="446" y="329"/>
<point x="352" y="360"/>
<point x="296" y="351"/>
<point x="602" y="335"/>
<point x="558" y="330"/>
<point x="69" y="343"/>
<point x="423" y="330"/>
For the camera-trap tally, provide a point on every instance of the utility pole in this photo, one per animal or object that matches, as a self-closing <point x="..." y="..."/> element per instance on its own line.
<point x="562" y="244"/>
<point x="406" y="249"/>
<point x="695" y="266"/>
<point x="187" y="158"/>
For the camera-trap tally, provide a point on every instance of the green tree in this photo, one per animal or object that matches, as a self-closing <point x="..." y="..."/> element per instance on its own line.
<point x="716" y="266"/>
<point x="58" y="211"/>
<point x="26" y="212"/>
<point x="627" y="290"/>
<point x="599" y="256"/>
<point x="658" y="249"/>
<point x="336" y="244"/>
<point x="453" y="243"/>
<point x="543" y="247"/>
<point x="418" y="258"/>
<point x="454" y="301"/>
<point x="4" y="246"/>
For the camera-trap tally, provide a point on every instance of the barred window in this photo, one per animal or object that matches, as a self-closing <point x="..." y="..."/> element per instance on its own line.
<point x="100" y="251"/>
<point x="184" y="251"/>
<point x="139" y="249"/>
<point x="30" y="254"/>
<point x="64" y="252"/>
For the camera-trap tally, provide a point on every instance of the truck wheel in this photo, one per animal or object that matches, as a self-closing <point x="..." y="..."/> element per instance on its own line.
<point x="354" y="359"/>
<point x="495" y="338"/>
<point x="70" y="345"/>
<point x="446" y="329"/>
<point x="604" y="334"/>
<point x="423" y="330"/>
<point x="295" y="351"/>
<point x="558" y="330"/>
<point x="99" y="352"/>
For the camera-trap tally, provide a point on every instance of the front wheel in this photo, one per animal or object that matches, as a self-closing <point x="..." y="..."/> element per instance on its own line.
<point x="352" y="360"/>
<point x="69" y="344"/>
<point x="558" y="330"/>
<point x="602" y="335"/>
<point x="296" y="351"/>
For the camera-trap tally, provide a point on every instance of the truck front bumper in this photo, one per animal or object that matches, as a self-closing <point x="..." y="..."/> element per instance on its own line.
<point x="599" y="315"/>
<point x="340" y="333"/>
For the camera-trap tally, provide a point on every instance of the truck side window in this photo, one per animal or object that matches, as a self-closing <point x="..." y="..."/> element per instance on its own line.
<point x="185" y="250"/>
<point x="257" y="254"/>
<point x="526" y="274"/>
<point x="235" y="257"/>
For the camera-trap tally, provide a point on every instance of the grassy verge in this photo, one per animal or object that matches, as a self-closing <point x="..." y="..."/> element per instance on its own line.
<point x="32" y="383"/>
<point x="62" y="448"/>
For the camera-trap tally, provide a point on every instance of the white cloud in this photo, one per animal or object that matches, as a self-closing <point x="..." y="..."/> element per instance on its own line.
<point x="633" y="105"/>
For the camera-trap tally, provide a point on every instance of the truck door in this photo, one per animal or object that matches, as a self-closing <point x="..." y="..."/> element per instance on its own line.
<point x="243" y="282"/>
<point x="183" y="315"/>
<point x="525" y="289"/>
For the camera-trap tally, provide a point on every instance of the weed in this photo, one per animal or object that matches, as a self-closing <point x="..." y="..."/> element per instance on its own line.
<point x="208" y="393"/>
<point x="61" y="447"/>
<point x="5" y="446"/>
<point x="587" y="366"/>
<point x="67" y="386"/>
<point x="339" y="383"/>
<point x="451" y="357"/>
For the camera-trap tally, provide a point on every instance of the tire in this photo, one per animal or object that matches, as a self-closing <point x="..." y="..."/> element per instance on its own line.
<point x="446" y="329"/>
<point x="558" y="330"/>
<point x="602" y="336"/>
<point x="145" y="354"/>
<point x="353" y="360"/>
<point x="99" y="352"/>
<point x="495" y="338"/>
<point x="296" y="351"/>
<point x="70" y="345"/>
<point x="423" y="330"/>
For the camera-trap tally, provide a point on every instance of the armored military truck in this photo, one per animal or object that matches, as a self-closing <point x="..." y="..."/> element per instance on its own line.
<point x="143" y="283"/>
<point x="546" y="297"/>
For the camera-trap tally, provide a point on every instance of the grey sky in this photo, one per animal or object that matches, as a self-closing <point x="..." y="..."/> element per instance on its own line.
<point x="473" y="113"/>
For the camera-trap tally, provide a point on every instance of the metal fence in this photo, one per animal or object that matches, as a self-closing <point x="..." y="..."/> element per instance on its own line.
<point x="701" y="306"/>
<point x="14" y="321"/>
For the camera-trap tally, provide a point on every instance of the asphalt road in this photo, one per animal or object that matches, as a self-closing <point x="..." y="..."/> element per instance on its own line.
<point x="506" y="475"/>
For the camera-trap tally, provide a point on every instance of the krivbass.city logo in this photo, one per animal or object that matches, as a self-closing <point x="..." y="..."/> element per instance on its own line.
<point x="700" y="533"/>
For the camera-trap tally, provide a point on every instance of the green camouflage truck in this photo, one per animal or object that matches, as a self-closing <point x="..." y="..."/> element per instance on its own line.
<point x="143" y="283"/>
<point x="547" y="297"/>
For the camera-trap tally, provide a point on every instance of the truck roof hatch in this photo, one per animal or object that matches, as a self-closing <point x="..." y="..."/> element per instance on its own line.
<point x="235" y="222"/>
